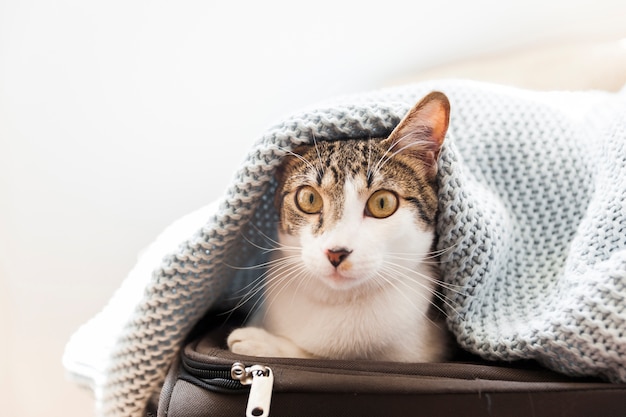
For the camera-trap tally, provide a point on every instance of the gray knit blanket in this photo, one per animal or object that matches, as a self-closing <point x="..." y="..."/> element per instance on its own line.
<point x="532" y="231"/>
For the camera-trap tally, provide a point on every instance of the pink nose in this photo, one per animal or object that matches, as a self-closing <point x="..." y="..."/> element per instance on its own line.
<point x="337" y="256"/>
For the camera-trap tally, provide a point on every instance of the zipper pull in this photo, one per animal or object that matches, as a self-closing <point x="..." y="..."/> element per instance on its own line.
<point x="261" y="381"/>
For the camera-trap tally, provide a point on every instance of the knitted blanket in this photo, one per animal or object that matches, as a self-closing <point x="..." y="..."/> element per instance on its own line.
<point x="532" y="231"/>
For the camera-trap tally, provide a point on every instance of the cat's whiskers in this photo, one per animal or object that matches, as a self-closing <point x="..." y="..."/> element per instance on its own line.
<point x="257" y="286"/>
<point x="377" y="167"/>
<point x="318" y="172"/>
<point x="403" y="294"/>
<point x="274" y="276"/>
<point x="269" y="266"/>
<point x="277" y="286"/>
<point x="275" y="271"/>
<point x="303" y="278"/>
<point x="368" y="172"/>
<point x="275" y="245"/>
<point x="429" y="258"/>
<point x="419" y="294"/>
<point x="269" y="263"/>
<point x="388" y="280"/>
<point x="412" y="258"/>
<point x="399" y="273"/>
<point x="433" y="262"/>
<point x="406" y="270"/>
<point x="437" y="253"/>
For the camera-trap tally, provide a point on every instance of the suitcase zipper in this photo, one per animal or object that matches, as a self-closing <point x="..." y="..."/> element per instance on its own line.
<point x="235" y="377"/>
<point x="261" y="381"/>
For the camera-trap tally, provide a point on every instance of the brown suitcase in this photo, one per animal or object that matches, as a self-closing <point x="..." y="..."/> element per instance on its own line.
<point x="205" y="381"/>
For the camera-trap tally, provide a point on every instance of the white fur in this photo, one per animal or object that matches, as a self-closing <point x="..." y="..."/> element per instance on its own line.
<point x="351" y="312"/>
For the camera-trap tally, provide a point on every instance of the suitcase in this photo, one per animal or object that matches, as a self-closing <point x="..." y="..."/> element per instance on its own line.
<point x="208" y="380"/>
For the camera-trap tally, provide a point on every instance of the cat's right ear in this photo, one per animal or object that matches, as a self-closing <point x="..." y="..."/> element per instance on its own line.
<point x="422" y="131"/>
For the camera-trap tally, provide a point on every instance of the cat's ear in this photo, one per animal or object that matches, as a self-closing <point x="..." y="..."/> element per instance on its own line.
<point x="422" y="131"/>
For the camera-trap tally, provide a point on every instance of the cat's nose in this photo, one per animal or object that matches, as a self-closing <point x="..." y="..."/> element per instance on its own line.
<point x="337" y="255"/>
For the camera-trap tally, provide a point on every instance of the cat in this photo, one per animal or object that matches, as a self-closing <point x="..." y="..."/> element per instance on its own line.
<point x="353" y="275"/>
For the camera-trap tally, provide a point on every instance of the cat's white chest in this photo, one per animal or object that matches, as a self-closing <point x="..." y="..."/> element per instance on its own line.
<point x="384" y="325"/>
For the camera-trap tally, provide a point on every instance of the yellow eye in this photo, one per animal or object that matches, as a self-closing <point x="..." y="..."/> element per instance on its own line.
<point x="381" y="204"/>
<point x="309" y="200"/>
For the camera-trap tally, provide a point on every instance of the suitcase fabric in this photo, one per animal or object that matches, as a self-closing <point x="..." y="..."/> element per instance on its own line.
<point x="200" y="384"/>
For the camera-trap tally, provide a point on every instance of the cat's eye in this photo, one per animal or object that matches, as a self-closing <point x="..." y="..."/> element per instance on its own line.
<point x="309" y="200"/>
<point x="381" y="204"/>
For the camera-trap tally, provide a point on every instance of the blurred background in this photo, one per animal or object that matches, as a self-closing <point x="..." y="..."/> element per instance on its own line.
<point x="118" y="117"/>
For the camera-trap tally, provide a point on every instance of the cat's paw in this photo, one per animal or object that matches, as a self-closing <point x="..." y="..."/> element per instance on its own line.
<point x="254" y="341"/>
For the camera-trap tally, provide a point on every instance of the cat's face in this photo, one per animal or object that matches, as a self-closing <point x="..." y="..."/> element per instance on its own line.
<point x="360" y="213"/>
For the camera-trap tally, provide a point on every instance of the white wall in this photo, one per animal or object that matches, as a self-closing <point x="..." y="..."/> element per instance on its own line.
<point x="117" y="117"/>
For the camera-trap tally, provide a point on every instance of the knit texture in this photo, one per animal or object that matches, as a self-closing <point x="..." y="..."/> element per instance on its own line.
<point x="532" y="230"/>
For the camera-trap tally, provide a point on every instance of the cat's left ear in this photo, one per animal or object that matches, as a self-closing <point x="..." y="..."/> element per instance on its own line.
<point x="422" y="131"/>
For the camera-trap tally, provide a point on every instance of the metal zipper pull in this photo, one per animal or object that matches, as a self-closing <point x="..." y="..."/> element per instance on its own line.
<point x="261" y="381"/>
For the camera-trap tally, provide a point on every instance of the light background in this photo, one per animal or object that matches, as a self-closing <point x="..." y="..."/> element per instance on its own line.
<point x="117" y="117"/>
